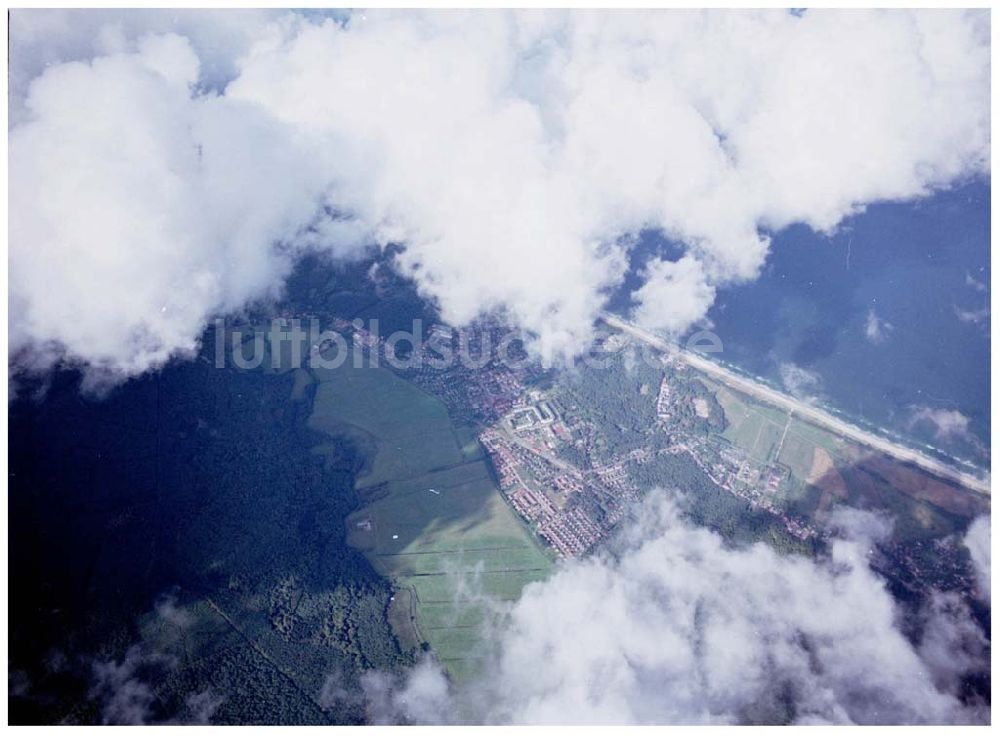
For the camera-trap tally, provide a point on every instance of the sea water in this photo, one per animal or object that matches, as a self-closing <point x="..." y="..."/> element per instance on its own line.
<point x="885" y="320"/>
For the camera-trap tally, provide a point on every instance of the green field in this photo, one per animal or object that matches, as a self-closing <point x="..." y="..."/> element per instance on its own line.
<point x="755" y="428"/>
<point x="410" y="429"/>
<point x="435" y="521"/>
<point x="850" y="476"/>
<point x="758" y="429"/>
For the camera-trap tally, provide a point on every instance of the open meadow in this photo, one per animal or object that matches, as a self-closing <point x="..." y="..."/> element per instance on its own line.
<point x="434" y="520"/>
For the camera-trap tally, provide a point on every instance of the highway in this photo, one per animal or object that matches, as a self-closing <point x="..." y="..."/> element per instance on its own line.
<point x="803" y="410"/>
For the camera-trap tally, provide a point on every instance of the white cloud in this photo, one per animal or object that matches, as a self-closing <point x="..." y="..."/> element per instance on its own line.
<point x="948" y="424"/>
<point x="977" y="540"/>
<point x="876" y="329"/>
<point x="866" y="528"/>
<point x="508" y="152"/>
<point x="974" y="283"/>
<point x="952" y="644"/>
<point x="417" y="696"/>
<point x="675" y="626"/>
<point x="140" y="208"/>
<point x="674" y="295"/>
<point x="972" y="316"/>
<point x="800" y="382"/>
<point x="126" y="690"/>
<point x="40" y="39"/>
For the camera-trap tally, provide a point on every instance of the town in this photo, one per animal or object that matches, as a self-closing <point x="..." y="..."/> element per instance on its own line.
<point x="548" y="462"/>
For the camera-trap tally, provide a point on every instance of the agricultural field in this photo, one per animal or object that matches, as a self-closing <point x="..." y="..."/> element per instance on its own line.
<point x="410" y="429"/>
<point x="824" y="469"/>
<point x="434" y="520"/>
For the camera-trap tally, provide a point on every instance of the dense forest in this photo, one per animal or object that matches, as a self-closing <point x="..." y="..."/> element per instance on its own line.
<point x="618" y="393"/>
<point x="202" y="483"/>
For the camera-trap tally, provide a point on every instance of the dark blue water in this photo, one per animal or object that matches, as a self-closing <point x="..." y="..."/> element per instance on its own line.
<point x="920" y="267"/>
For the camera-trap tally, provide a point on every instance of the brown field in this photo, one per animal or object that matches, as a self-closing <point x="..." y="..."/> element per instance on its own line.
<point x="923" y="487"/>
<point x="824" y="475"/>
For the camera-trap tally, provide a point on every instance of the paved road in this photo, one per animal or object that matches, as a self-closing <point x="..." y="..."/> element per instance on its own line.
<point x="803" y="410"/>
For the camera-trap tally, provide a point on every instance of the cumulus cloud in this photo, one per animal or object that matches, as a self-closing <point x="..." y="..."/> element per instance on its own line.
<point x="866" y="528"/>
<point x="952" y="644"/>
<point x="674" y="626"/>
<point x="43" y="38"/>
<point x="799" y="382"/>
<point x="418" y="696"/>
<point x="876" y="329"/>
<point x="509" y="153"/>
<point x="674" y="296"/>
<point x="948" y="424"/>
<point x="140" y="207"/>
<point x="977" y="540"/>
<point x="334" y="691"/>
<point x="125" y="698"/>
<point x="125" y="689"/>
<point x="975" y="284"/>
<point x="972" y="316"/>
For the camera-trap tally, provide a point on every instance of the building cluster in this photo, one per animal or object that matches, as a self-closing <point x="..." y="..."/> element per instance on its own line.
<point x="537" y="483"/>
<point x="481" y="395"/>
<point x="663" y="400"/>
<point x="532" y="506"/>
<point x="504" y="463"/>
<point x="611" y="475"/>
<point x="571" y="533"/>
<point x="477" y="388"/>
<point x="525" y="433"/>
<point x="733" y="469"/>
<point x="756" y="483"/>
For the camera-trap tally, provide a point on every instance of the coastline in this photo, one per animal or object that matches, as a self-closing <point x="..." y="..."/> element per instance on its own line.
<point x="818" y="416"/>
